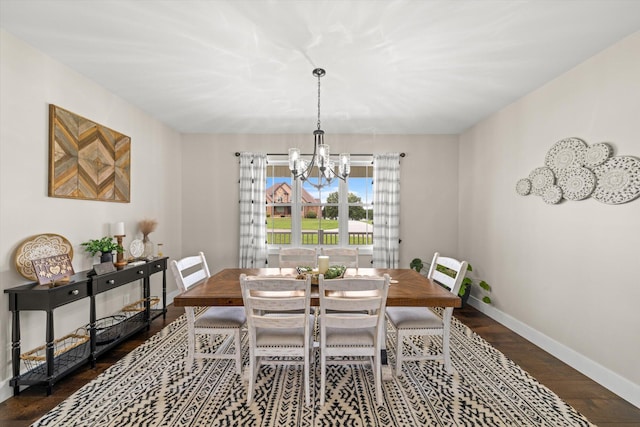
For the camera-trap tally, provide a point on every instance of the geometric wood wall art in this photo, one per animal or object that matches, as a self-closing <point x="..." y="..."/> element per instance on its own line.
<point x="87" y="160"/>
<point x="575" y="171"/>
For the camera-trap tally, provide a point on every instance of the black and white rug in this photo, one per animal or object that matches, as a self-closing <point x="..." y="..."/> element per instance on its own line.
<point x="149" y="387"/>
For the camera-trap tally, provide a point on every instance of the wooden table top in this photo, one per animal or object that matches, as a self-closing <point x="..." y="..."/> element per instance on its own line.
<point x="412" y="289"/>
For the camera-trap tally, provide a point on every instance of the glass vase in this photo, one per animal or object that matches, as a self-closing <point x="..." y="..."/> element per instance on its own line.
<point x="149" y="247"/>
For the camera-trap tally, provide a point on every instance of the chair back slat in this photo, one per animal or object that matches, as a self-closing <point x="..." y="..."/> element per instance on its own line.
<point x="297" y="257"/>
<point x="357" y="321"/>
<point x="455" y="268"/>
<point x="349" y="257"/>
<point x="190" y="271"/>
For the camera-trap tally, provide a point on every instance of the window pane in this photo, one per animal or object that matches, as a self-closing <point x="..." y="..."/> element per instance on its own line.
<point x="279" y="205"/>
<point x="360" y="202"/>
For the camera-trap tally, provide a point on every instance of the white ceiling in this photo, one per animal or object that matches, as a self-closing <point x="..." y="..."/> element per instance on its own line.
<point x="406" y="67"/>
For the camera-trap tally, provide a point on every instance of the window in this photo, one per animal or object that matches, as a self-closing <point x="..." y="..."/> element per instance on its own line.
<point x="340" y="214"/>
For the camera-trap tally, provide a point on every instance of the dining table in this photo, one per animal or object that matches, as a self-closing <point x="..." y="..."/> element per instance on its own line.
<point x="408" y="289"/>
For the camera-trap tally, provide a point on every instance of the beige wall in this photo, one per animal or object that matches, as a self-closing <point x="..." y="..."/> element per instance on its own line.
<point x="428" y="191"/>
<point x="564" y="275"/>
<point x="29" y="82"/>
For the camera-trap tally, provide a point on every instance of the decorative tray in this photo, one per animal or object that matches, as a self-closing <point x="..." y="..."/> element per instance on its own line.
<point x="333" y="272"/>
<point x="37" y="247"/>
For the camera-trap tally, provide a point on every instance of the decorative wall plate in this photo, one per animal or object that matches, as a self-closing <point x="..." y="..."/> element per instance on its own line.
<point x="566" y="153"/>
<point x="523" y="187"/>
<point x="37" y="247"/>
<point x="136" y="248"/>
<point x="541" y="179"/>
<point x="597" y="154"/>
<point x="618" y="180"/>
<point x="577" y="183"/>
<point x="552" y="195"/>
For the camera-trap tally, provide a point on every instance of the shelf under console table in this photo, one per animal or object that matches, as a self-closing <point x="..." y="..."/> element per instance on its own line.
<point x="32" y="296"/>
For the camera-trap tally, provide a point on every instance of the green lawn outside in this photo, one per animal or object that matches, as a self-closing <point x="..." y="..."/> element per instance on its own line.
<point x="307" y="223"/>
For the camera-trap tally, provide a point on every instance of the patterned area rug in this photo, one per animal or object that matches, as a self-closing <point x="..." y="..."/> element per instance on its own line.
<point x="150" y="388"/>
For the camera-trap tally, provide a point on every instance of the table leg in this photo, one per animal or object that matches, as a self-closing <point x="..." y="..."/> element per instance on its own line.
<point x="15" y="350"/>
<point x="50" y="352"/>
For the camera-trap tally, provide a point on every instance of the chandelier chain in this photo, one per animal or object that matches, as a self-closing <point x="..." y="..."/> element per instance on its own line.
<point x="318" y="102"/>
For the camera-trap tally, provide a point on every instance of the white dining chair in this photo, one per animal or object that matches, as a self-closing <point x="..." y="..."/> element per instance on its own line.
<point x="225" y="321"/>
<point x="279" y="324"/>
<point x="422" y="321"/>
<point x="352" y="325"/>
<point x="349" y="257"/>
<point x="297" y="257"/>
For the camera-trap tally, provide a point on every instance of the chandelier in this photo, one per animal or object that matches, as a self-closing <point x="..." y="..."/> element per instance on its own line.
<point x="302" y="168"/>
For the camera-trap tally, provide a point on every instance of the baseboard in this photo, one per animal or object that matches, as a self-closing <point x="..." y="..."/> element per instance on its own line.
<point x="6" y="391"/>
<point x="598" y="373"/>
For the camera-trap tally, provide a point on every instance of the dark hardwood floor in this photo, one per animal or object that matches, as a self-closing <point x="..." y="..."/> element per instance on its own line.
<point x="598" y="404"/>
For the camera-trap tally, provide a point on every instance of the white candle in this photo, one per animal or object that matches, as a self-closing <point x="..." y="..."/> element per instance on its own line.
<point x="323" y="264"/>
<point x="118" y="229"/>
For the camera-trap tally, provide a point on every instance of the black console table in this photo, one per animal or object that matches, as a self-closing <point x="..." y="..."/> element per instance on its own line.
<point x="32" y="296"/>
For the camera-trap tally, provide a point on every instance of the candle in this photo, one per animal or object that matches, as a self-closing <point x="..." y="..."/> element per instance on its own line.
<point x="323" y="264"/>
<point x="118" y="229"/>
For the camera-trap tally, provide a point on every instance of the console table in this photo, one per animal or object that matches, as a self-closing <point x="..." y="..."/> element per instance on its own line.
<point x="32" y="296"/>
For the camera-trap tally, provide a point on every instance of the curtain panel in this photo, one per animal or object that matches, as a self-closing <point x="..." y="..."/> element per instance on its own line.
<point x="386" y="212"/>
<point x="253" y="230"/>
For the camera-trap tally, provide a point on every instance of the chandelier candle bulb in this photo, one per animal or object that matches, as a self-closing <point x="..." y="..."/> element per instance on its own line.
<point x="118" y="229"/>
<point x="323" y="264"/>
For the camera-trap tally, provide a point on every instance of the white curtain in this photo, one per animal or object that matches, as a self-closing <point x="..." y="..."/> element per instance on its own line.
<point x="386" y="210"/>
<point x="253" y="230"/>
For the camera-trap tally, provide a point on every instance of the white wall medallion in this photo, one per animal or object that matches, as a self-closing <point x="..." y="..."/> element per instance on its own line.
<point x="618" y="180"/>
<point x="577" y="183"/>
<point x="523" y="187"/>
<point x="566" y="153"/>
<point x="541" y="178"/>
<point x="597" y="154"/>
<point x="552" y="195"/>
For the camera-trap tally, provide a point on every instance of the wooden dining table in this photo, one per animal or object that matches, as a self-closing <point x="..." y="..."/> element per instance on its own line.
<point x="409" y="288"/>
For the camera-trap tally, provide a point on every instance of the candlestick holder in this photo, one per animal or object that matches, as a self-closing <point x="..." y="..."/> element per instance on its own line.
<point x="120" y="261"/>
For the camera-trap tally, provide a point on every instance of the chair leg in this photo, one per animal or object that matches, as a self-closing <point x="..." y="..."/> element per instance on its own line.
<point x="323" y="374"/>
<point x="377" y="376"/>
<point x="191" y="349"/>
<point x="399" y="341"/>
<point x="238" y="351"/>
<point x="252" y="377"/>
<point x="446" y="349"/>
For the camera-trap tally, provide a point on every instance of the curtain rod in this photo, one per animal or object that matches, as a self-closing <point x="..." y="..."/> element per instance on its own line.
<point x="286" y="154"/>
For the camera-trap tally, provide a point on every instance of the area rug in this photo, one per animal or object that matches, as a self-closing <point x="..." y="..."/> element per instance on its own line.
<point x="149" y="387"/>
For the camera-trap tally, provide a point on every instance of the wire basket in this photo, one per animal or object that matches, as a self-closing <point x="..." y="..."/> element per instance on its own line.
<point x="61" y="347"/>
<point x="108" y="329"/>
<point x="138" y="306"/>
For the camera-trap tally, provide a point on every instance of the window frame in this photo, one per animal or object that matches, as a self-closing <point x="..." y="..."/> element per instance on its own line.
<point x="295" y="201"/>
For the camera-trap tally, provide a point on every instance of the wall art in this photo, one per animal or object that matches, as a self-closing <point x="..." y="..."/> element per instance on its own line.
<point x="575" y="170"/>
<point x="87" y="160"/>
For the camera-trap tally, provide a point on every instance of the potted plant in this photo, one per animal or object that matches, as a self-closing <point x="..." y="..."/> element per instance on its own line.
<point x="465" y="289"/>
<point x="105" y="246"/>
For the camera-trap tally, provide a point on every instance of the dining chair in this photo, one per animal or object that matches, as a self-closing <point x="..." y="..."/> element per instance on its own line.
<point x="422" y="321"/>
<point x="297" y="257"/>
<point x="225" y="321"/>
<point x="342" y="256"/>
<point x="279" y="324"/>
<point x="352" y="325"/>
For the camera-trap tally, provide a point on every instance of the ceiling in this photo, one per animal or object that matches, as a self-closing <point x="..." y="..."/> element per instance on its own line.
<point x="393" y="67"/>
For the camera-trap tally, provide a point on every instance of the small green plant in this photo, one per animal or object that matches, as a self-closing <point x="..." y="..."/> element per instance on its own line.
<point x="417" y="264"/>
<point x="104" y="245"/>
<point x="311" y="214"/>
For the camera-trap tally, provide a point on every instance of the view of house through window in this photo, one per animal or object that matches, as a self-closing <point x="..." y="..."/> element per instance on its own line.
<point x="338" y="214"/>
